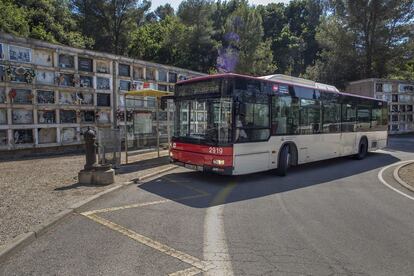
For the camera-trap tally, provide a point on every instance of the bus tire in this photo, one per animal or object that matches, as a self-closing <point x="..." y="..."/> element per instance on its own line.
<point x="362" y="149"/>
<point x="284" y="161"/>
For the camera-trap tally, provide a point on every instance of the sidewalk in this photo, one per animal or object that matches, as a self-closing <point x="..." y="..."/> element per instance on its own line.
<point x="34" y="189"/>
<point x="406" y="173"/>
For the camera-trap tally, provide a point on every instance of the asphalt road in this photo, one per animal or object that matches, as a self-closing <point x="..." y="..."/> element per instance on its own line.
<point x="327" y="218"/>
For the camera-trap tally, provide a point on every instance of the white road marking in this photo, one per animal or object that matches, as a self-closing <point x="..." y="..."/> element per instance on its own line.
<point x="137" y="205"/>
<point x="200" y="193"/>
<point x="198" y="266"/>
<point x="191" y="260"/>
<point x="388" y="185"/>
<point x="215" y="250"/>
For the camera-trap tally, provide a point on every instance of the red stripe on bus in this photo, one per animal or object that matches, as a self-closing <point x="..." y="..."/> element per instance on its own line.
<point x="205" y="149"/>
<point x="201" y="155"/>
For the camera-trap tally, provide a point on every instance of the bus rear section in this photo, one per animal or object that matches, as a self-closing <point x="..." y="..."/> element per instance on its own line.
<point x="203" y="157"/>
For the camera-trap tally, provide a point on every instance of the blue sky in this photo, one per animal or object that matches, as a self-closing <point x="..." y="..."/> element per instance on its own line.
<point x="175" y="3"/>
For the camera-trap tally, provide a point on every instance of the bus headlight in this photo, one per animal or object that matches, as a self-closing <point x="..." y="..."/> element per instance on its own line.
<point x="218" y="162"/>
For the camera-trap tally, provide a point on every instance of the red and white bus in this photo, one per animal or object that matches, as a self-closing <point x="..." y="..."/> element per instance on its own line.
<point x="234" y="124"/>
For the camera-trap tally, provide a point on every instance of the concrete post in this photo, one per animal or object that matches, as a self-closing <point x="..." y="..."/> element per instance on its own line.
<point x="90" y="149"/>
<point x="92" y="172"/>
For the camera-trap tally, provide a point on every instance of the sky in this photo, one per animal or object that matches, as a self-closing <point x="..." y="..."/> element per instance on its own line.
<point x="176" y="3"/>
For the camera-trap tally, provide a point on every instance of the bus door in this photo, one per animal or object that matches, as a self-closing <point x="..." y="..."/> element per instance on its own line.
<point x="285" y="124"/>
<point x="348" y="127"/>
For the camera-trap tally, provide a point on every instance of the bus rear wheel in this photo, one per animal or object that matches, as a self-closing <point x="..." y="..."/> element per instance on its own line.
<point x="362" y="149"/>
<point x="284" y="161"/>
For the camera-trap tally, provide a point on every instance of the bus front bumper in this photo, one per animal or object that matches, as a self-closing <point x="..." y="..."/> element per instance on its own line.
<point x="204" y="168"/>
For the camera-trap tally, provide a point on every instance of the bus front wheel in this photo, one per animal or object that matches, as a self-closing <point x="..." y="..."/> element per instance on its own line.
<point x="284" y="161"/>
<point x="362" y="149"/>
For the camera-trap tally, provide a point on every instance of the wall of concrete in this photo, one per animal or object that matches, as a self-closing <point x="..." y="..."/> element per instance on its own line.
<point x="50" y="93"/>
<point x="400" y="97"/>
<point x="365" y="88"/>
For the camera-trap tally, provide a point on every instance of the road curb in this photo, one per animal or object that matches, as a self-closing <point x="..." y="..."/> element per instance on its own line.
<point x="43" y="227"/>
<point x="17" y="243"/>
<point x="75" y="207"/>
<point x="25" y="239"/>
<point x="397" y="177"/>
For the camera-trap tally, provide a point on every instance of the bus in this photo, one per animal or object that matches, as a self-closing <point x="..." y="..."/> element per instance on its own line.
<point x="235" y="124"/>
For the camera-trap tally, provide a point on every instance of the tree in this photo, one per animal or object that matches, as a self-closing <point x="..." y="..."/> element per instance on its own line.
<point x="116" y="19"/>
<point x="403" y="68"/>
<point x="381" y="28"/>
<point x="160" y="41"/>
<point x="160" y="13"/>
<point x="244" y="43"/>
<point x="274" y="19"/>
<point x="201" y="48"/>
<point x="338" y="62"/>
<point x="13" y="19"/>
<point x="195" y="12"/>
<point x="43" y="19"/>
<point x="221" y="12"/>
<point x="364" y="39"/>
<point x="163" y="11"/>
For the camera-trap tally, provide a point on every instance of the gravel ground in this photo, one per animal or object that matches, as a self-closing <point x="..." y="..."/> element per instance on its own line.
<point x="34" y="189"/>
<point x="406" y="173"/>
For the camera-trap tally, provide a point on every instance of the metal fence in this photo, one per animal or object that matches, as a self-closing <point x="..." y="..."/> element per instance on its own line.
<point x="109" y="150"/>
<point x="144" y="125"/>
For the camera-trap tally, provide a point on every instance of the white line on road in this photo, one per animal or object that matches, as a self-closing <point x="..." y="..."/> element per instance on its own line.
<point x="215" y="250"/>
<point x="184" y="257"/>
<point x="137" y="205"/>
<point x="388" y="185"/>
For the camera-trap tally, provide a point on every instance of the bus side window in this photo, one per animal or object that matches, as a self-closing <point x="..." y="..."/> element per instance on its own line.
<point x="376" y="114"/>
<point x="379" y="116"/>
<point x="285" y="114"/>
<point x="384" y="116"/>
<point x="310" y="116"/>
<point x="348" y="117"/>
<point x="331" y="117"/>
<point x="363" y="117"/>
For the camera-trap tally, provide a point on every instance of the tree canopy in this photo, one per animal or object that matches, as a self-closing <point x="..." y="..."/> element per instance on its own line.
<point x="332" y="41"/>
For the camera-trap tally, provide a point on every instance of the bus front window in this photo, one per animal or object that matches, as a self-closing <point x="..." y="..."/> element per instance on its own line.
<point x="252" y="122"/>
<point x="204" y="120"/>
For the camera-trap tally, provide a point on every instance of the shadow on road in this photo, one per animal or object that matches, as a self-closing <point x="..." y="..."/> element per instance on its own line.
<point x="143" y="164"/>
<point x="266" y="183"/>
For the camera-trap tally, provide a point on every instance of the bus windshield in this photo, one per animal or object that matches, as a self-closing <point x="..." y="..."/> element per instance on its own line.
<point x="204" y="121"/>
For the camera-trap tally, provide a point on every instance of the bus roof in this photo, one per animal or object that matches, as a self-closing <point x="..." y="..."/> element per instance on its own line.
<point x="284" y="79"/>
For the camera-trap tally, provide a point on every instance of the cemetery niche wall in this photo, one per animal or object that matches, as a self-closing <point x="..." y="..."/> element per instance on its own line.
<point x="49" y="92"/>
<point x="47" y="135"/>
